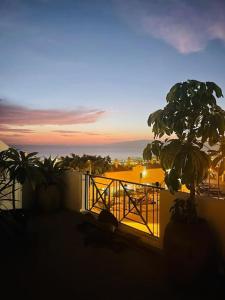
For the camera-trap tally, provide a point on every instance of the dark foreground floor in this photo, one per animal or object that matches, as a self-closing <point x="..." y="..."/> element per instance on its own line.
<point x="54" y="263"/>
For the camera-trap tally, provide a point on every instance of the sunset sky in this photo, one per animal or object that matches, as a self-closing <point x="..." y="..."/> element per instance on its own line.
<point x="91" y="71"/>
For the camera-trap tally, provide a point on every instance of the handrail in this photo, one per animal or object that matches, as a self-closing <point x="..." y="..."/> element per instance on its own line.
<point x="130" y="182"/>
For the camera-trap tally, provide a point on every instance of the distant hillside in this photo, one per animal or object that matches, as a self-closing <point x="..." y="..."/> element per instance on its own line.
<point x="137" y="145"/>
<point x="132" y="143"/>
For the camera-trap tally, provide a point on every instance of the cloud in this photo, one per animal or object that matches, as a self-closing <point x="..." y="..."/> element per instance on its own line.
<point x="11" y="114"/>
<point x="5" y="136"/>
<point x="15" y="130"/>
<point x="186" y="25"/>
<point x="72" y="132"/>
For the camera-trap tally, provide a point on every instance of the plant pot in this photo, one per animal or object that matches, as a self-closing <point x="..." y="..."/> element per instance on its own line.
<point x="49" y="198"/>
<point x="189" y="251"/>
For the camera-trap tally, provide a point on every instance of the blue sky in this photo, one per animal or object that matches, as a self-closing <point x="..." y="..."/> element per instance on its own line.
<point x="64" y="60"/>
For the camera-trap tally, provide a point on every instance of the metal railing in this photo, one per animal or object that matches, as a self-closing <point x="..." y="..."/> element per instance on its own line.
<point x="134" y="204"/>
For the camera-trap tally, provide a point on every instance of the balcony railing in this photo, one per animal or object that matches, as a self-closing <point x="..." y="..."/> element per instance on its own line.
<point x="133" y="204"/>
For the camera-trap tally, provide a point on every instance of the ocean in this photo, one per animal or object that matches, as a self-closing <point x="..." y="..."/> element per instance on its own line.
<point x="120" y="151"/>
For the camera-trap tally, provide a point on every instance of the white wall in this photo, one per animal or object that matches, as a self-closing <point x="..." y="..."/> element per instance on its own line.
<point x="7" y="204"/>
<point x="71" y="191"/>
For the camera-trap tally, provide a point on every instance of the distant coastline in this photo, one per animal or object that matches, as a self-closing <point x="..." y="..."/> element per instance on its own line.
<point x="121" y="150"/>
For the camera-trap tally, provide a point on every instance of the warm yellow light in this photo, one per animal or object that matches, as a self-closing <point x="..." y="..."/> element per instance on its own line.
<point x="144" y="173"/>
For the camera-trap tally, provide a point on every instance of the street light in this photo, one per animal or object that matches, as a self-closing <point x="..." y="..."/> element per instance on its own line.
<point x="89" y="165"/>
<point x="144" y="173"/>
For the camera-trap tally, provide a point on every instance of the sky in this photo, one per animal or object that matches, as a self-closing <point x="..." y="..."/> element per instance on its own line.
<point x="91" y="71"/>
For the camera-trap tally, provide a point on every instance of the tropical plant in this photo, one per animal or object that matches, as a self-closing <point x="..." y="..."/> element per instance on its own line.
<point x="97" y="164"/>
<point x="152" y="149"/>
<point x="49" y="190"/>
<point x="192" y="117"/>
<point x="18" y="166"/>
<point x="71" y="161"/>
<point x="50" y="169"/>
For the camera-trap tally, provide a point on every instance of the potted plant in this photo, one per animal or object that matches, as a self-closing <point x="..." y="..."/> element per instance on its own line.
<point x="192" y="118"/>
<point x="49" y="189"/>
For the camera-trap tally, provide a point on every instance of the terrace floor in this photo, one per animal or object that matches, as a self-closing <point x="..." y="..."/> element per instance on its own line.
<point x="54" y="263"/>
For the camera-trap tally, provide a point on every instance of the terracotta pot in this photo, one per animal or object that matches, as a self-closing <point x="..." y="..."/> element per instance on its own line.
<point x="189" y="251"/>
<point x="49" y="199"/>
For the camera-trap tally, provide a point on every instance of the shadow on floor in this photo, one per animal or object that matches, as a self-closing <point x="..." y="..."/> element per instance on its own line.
<point x="53" y="262"/>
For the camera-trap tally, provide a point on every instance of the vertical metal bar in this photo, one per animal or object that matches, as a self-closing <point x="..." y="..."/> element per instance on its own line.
<point x="113" y="200"/>
<point x="124" y="207"/>
<point x="93" y="192"/>
<point x="140" y="200"/>
<point x="129" y="203"/>
<point x="118" y="199"/>
<point x="153" y="217"/>
<point x="146" y="204"/>
<point x="157" y="213"/>
<point x="109" y="198"/>
<point x="96" y="193"/>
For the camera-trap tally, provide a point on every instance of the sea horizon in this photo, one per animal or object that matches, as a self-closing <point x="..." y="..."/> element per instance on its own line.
<point x="121" y="151"/>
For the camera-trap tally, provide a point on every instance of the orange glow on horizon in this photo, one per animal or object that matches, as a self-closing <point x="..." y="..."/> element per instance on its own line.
<point x="53" y="138"/>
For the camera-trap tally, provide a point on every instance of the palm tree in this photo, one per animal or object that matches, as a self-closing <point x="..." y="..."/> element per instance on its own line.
<point x="50" y="170"/>
<point x="19" y="166"/>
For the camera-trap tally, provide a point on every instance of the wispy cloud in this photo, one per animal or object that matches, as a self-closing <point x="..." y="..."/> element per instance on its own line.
<point x="15" y="130"/>
<point x="186" y="25"/>
<point x="72" y="132"/>
<point x="11" y="114"/>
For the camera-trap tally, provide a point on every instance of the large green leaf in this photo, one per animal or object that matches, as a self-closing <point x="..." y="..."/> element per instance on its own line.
<point x="191" y="113"/>
<point x="147" y="153"/>
<point x="212" y="87"/>
<point x="169" y="152"/>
